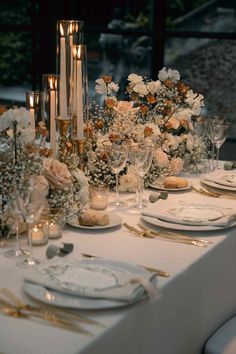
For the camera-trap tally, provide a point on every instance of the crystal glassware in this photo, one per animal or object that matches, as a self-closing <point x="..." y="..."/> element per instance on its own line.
<point x="142" y="159"/>
<point x="117" y="153"/>
<point x="217" y="131"/>
<point x="30" y="202"/>
<point x="17" y="215"/>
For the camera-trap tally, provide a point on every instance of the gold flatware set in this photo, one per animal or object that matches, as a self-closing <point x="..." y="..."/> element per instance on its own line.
<point x="52" y="316"/>
<point x="167" y="236"/>
<point x="210" y="192"/>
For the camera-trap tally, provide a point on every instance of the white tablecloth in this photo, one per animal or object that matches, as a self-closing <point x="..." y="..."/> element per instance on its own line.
<point x="198" y="297"/>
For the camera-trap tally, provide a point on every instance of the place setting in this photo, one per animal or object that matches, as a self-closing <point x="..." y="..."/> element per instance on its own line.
<point x="91" y="283"/>
<point x="221" y="180"/>
<point x="190" y="216"/>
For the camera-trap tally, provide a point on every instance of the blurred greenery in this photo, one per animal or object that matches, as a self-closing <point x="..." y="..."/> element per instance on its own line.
<point x="15" y="47"/>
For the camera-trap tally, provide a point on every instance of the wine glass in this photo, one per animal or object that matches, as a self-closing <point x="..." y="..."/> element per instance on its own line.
<point x="5" y="228"/>
<point x="117" y="153"/>
<point x="30" y="202"/>
<point x="198" y="138"/>
<point x="217" y="131"/>
<point x="16" y="213"/>
<point x="142" y="159"/>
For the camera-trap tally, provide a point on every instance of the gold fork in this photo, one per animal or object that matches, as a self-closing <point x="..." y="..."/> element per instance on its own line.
<point x="164" y="237"/>
<point x="67" y="315"/>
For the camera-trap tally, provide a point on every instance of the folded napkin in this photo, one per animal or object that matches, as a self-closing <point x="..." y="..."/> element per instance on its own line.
<point x="93" y="280"/>
<point x="222" y="178"/>
<point x="225" y="220"/>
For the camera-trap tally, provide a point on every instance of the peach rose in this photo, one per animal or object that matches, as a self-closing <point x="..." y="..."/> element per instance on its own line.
<point x="176" y="165"/>
<point x="172" y="123"/>
<point x="56" y="173"/>
<point x="125" y="107"/>
<point x="160" y="158"/>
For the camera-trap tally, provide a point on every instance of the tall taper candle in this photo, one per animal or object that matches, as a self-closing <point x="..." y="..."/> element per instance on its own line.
<point x="79" y="94"/>
<point x="63" y="91"/>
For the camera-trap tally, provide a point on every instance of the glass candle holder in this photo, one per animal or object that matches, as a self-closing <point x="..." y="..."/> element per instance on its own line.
<point x="98" y="197"/>
<point x="79" y="97"/>
<point x="54" y="224"/>
<point x="69" y="33"/>
<point x="36" y="104"/>
<point x="50" y="87"/>
<point x="40" y="233"/>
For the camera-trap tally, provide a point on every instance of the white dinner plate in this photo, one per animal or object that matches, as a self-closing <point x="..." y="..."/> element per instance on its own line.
<point x="182" y="227"/>
<point x="218" y="186"/>
<point x="161" y="188"/>
<point x="56" y="298"/>
<point x="115" y="220"/>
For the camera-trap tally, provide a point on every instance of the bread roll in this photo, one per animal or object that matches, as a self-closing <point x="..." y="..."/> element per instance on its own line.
<point x="87" y="219"/>
<point x="175" y="182"/>
<point x="92" y="217"/>
<point x="102" y="219"/>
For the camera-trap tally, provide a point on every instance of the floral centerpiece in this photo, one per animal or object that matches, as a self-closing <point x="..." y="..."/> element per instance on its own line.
<point x="159" y="112"/>
<point x="65" y="185"/>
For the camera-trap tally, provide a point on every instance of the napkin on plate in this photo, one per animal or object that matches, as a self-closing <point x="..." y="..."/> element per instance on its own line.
<point x="224" y="221"/>
<point x="222" y="178"/>
<point x="95" y="281"/>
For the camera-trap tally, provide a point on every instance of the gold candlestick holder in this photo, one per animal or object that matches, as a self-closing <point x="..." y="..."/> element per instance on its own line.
<point x="65" y="145"/>
<point x="78" y="148"/>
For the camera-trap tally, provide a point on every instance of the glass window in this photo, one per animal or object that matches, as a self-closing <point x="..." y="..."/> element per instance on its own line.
<point x="201" y="15"/>
<point x="208" y="66"/>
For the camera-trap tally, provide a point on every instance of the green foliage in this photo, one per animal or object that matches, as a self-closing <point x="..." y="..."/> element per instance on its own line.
<point x="15" y="47"/>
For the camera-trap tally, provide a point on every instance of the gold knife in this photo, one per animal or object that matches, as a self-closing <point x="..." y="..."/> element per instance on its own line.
<point x="159" y="272"/>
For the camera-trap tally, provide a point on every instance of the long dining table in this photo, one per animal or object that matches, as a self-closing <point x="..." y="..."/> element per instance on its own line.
<point x="197" y="297"/>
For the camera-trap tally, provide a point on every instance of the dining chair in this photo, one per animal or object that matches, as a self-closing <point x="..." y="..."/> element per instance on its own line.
<point x="223" y="341"/>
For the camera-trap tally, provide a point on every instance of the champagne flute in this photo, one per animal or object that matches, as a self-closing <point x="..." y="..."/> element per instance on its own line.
<point x="117" y="153"/>
<point x="217" y="133"/>
<point x="16" y="213"/>
<point x="142" y="158"/>
<point x="30" y="202"/>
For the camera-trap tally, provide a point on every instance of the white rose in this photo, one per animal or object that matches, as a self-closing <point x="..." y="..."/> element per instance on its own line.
<point x="27" y="135"/>
<point x="141" y="89"/>
<point x="154" y="86"/>
<point x="101" y="87"/>
<point x="134" y="80"/>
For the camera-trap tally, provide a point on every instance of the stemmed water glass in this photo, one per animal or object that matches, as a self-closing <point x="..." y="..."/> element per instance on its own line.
<point x="30" y="202"/>
<point x="217" y="131"/>
<point x="117" y="153"/>
<point x="16" y="213"/>
<point x="142" y="155"/>
<point x="198" y="137"/>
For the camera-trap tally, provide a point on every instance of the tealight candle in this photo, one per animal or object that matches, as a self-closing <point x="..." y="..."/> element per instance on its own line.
<point x="54" y="230"/>
<point x="54" y="223"/>
<point x="39" y="234"/>
<point x="98" y="197"/>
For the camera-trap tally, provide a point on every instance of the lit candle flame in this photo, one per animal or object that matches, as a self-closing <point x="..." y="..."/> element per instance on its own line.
<point x="70" y="29"/>
<point x="61" y="30"/>
<point x="31" y="102"/>
<point x="79" y="52"/>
